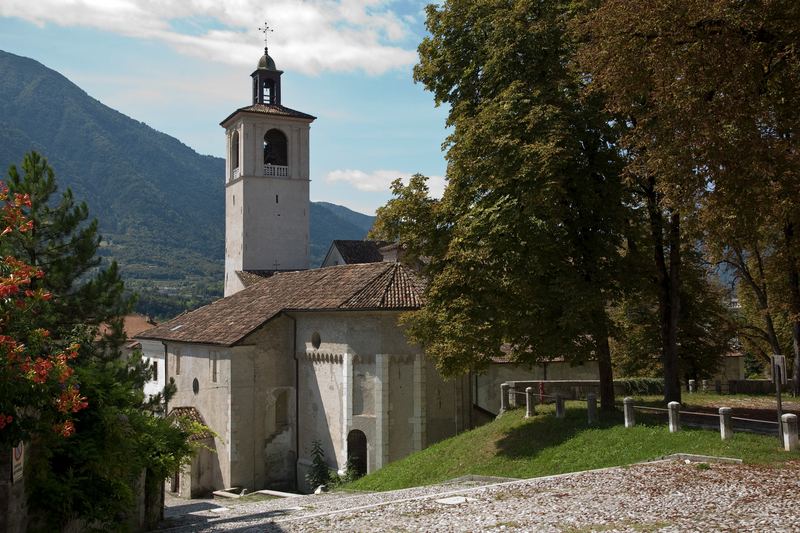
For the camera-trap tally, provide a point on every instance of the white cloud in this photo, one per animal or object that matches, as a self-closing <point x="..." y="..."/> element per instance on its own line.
<point x="309" y="35"/>
<point x="381" y="180"/>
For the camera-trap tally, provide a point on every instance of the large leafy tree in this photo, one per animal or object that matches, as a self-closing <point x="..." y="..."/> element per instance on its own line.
<point x="711" y="89"/>
<point x="523" y="249"/>
<point x="63" y="243"/>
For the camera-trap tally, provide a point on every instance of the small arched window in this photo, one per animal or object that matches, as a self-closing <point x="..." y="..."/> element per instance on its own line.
<point x="235" y="150"/>
<point x="275" y="148"/>
<point x="269" y="91"/>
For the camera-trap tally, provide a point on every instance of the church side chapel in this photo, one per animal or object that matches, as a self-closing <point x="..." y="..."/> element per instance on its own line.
<point x="290" y="355"/>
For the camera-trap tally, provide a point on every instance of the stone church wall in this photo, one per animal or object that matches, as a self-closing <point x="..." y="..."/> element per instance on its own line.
<point x="262" y="411"/>
<point x="187" y="363"/>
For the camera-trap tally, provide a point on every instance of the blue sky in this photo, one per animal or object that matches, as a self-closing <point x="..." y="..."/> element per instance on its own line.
<point x="183" y="66"/>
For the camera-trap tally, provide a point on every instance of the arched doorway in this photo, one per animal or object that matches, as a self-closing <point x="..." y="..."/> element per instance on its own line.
<point x="357" y="451"/>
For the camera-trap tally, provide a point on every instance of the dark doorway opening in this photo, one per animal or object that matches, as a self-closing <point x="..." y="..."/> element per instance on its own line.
<point x="357" y="451"/>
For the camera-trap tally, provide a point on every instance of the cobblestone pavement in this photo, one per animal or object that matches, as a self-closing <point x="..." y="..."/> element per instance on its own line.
<point x="667" y="497"/>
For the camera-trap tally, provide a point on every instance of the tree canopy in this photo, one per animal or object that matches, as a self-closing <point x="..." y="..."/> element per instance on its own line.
<point x="523" y="249"/>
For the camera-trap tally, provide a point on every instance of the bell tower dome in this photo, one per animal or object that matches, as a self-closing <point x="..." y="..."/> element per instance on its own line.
<point x="266" y="183"/>
<point x="266" y="81"/>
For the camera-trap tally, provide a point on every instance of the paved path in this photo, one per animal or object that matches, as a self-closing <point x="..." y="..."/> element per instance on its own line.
<point x="666" y="497"/>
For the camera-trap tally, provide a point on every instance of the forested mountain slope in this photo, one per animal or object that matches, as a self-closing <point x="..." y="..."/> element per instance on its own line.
<point x="160" y="204"/>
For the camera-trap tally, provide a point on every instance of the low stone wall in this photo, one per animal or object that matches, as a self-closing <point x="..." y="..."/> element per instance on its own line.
<point x="567" y="388"/>
<point x="755" y="386"/>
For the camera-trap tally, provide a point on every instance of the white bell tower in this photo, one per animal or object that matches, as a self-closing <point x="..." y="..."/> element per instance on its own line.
<point x="266" y="183"/>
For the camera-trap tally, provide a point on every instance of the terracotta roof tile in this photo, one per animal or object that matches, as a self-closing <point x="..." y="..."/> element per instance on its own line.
<point x="228" y="321"/>
<point x="263" y="109"/>
<point x="194" y="415"/>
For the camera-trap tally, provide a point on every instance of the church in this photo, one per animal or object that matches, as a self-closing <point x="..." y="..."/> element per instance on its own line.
<point x="293" y="355"/>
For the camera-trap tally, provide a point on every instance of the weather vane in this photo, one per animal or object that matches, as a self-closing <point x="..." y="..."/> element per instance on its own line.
<point x="265" y="29"/>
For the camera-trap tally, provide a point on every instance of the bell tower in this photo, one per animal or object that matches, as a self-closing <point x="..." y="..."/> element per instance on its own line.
<point x="266" y="183"/>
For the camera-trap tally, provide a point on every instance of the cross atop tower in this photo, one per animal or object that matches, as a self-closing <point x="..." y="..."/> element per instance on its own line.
<point x="265" y="29"/>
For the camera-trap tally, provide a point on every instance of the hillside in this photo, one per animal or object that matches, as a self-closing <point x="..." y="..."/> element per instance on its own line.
<point x="160" y="204"/>
<point x="517" y="447"/>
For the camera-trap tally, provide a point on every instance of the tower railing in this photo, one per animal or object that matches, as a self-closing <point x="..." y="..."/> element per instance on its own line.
<point x="276" y="171"/>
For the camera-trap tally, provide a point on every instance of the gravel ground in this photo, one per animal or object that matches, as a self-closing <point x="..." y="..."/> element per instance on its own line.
<point x="669" y="496"/>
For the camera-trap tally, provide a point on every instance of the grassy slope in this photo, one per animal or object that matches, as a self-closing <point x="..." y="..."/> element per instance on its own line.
<point x="518" y="448"/>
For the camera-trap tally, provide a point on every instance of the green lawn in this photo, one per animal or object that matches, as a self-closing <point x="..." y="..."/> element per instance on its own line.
<point x="518" y="448"/>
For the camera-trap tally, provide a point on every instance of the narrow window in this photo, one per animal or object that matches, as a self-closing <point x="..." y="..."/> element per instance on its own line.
<point x="235" y="150"/>
<point x="177" y="361"/>
<point x="213" y="358"/>
<point x="276" y="198"/>
<point x="155" y="370"/>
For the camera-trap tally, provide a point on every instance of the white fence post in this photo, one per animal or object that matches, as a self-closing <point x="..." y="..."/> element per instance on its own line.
<point x="630" y="418"/>
<point x="789" y="432"/>
<point x="503" y="398"/>
<point x="725" y="423"/>
<point x="561" y="411"/>
<point x="531" y="406"/>
<point x="674" y="416"/>
<point x="591" y="402"/>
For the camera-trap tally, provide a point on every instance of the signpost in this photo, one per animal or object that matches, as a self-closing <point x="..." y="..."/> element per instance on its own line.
<point x="18" y="461"/>
<point x="779" y="377"/>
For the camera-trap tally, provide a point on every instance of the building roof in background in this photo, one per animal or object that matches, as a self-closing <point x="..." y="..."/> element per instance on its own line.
<point x="227" y="322"/>
<point x="359" y="251"/>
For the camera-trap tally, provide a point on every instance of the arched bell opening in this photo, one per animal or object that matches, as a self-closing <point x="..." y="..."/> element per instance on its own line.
<point x="268" y="88"/>
<point x="275" y="148"/>
<point x="357" y="451"/>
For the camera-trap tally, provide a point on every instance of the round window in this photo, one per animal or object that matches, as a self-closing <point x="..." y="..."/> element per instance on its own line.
<point x="315" y="340"/>
<point x="196" y="386"/>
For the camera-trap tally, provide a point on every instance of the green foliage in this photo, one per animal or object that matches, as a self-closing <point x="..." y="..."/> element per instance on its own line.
<point x="318" y="474"/>
<point x="705" y="332"/>
<point x="95" y="474"/>
<point x="63" y="245"/>
<point x="642" y="386"/>
<point x="523" y="248"/>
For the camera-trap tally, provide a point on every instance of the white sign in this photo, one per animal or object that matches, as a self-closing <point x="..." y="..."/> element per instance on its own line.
<point x="18" y="460"/>
<point x="779" y="361"/>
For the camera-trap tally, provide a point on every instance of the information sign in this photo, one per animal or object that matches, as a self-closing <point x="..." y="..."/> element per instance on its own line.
<point x="18" y="460"/>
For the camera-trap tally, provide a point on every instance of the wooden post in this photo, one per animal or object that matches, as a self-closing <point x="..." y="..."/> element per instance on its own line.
<point x="674" y="416"/>
<point x="531" y="407"/>
<point x="591" y="401"/>
<point x="561" y="411"/>
<point x="630" y="418"/>
<point x="718" y="385"/>
<point x="541" y="392"/>
<point x="503" y="398"/>
<point x="725" y="423"/>
<point x="789" y="424"/>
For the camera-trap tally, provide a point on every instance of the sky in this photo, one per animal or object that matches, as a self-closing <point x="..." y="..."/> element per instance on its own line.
<point x="182" y="67"/>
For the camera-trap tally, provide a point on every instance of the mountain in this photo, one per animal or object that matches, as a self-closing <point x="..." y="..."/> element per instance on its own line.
<point x="330" y="222"/>
<point x="160" y="204"/>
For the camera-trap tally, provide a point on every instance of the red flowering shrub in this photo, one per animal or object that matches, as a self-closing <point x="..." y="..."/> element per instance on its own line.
<point x="37" y="388"/>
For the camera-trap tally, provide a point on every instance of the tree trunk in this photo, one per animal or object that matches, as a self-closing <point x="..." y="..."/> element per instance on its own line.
<point x="606" y="375"/>
<point x="794" y="305"/>
<point x="668" y="280"/>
